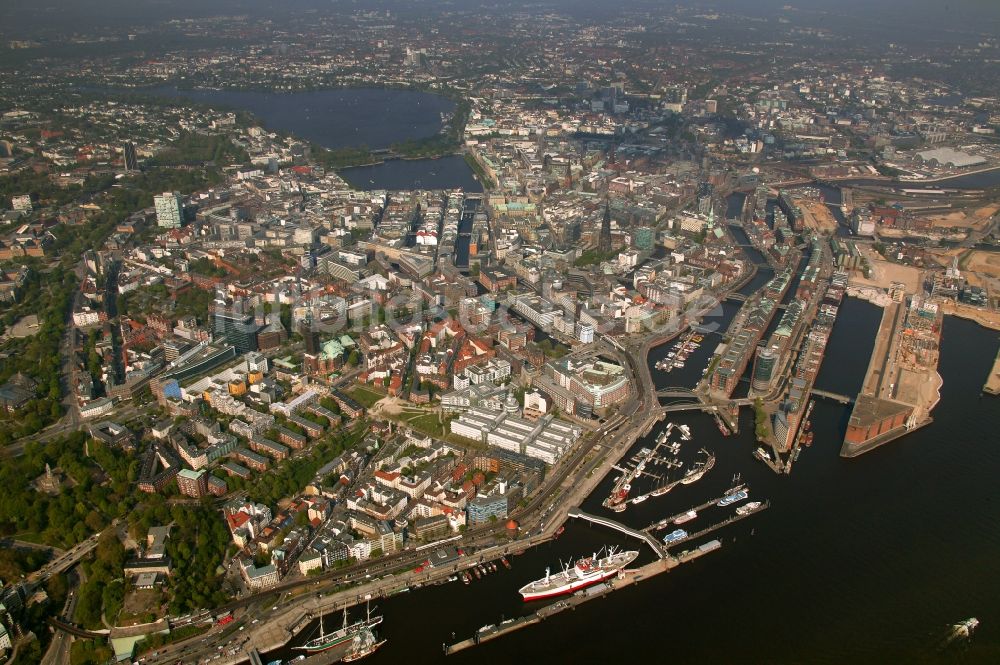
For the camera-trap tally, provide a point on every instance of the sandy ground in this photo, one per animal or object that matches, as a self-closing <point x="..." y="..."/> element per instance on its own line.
<point x="944" y="257"/>
<point x="921" y="388"/>
<point x="885" y="272"/>
<point x="25" y="327"/>
<point x="390" y="406"/>
<point x="993" y="381"/>
<point x="987" y="263"/>
<point x="976" y="219"/>
<point x="937" y="232"/>
<point x="818" y="216"/>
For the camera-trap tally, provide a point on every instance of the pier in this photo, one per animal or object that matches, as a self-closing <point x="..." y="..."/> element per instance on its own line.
<point x="992" y="385"/>
<point x="667" y="521"/>
<point x="736" y="517"/>
<point x="836" y="397"/>
<point x="570" y="602"/>
<point x="665" y="563"/>
<point x="618" y="526"/>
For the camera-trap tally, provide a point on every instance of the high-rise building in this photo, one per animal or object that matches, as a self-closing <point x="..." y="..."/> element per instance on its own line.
<point x="192" y="483"/>
<point x="604" y="240"/>
<point x="763" y="371"/>
<point x="644" y="238"/>
<point x="239" y="329"/>
<point x="129" y="157"/>
<point x="169" y="210"/>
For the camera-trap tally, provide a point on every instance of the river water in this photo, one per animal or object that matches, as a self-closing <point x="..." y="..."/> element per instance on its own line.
<point x="447" y="172"/>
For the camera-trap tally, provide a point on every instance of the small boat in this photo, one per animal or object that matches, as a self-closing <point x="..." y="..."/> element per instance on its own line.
<point x="960" y="631"/>
<point x="686" y="517"/>
<point x="493" y="567"/>
<point x="639" y="499"/>
<point x="559" y="531"/>
<point x="475" y="571"/>
<point x="505" y="562"/>
<point x="748" y="508"/>
<point x="675" y="536"/>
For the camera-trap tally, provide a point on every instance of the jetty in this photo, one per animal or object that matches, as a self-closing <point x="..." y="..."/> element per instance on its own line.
<point x="618" y="526"/>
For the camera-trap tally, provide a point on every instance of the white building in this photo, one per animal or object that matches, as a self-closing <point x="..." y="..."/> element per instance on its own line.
<point x="169" y="210"/>
<point x="546" y="439"/>
<point x="21" y="203"/>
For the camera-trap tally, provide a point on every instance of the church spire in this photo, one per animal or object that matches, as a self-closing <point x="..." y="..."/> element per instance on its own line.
<point x="604" y="240"/>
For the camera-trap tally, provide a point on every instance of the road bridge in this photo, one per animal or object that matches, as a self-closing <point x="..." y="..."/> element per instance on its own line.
<point x="689" y="406"/>
<point x="75" y="630"/>
<point x="676" y="391"/>
<point x="618" y="526"/>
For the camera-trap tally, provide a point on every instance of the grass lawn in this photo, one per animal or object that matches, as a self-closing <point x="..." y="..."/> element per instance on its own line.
<point x="365" y="396"/>
<point x="427" y="423"/>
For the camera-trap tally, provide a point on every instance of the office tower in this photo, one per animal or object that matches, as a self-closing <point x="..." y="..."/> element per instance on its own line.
<point x="239" y="329"/>
<point x="129" y="157"/>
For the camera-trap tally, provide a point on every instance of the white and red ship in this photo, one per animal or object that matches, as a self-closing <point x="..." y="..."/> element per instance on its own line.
<point x="584" y="573"/>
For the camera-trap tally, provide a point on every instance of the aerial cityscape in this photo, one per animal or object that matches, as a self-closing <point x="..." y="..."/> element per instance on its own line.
<point x="454" y="331"/>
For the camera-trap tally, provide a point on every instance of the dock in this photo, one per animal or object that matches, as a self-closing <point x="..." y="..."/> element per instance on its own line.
<point x="647" y="459"/>
<point x="718" y="525"/>
<point x="626" y="578"/>
<point x="664" y="563"/>
<point x="570" y="602"/>
<point x="327" y="657"/>
<point x="667" y="521"/>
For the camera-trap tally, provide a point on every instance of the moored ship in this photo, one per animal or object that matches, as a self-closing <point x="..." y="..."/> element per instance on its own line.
<point x="675" y="536"/>
<point x="585" y="572"/>
<point x="686" y="517"/>
<point x="732" y="497"/>
<point x="347" y="632"/>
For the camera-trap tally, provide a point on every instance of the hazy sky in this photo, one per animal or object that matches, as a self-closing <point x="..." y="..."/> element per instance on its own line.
<point x="26" y="16"/>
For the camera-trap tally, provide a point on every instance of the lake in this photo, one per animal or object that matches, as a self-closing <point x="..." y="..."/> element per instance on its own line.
<point x="372" y="117"/>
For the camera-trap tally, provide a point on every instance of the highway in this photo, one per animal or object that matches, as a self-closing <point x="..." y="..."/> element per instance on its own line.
<point x="58" y="651"/>
<point x="67" y="559"/>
